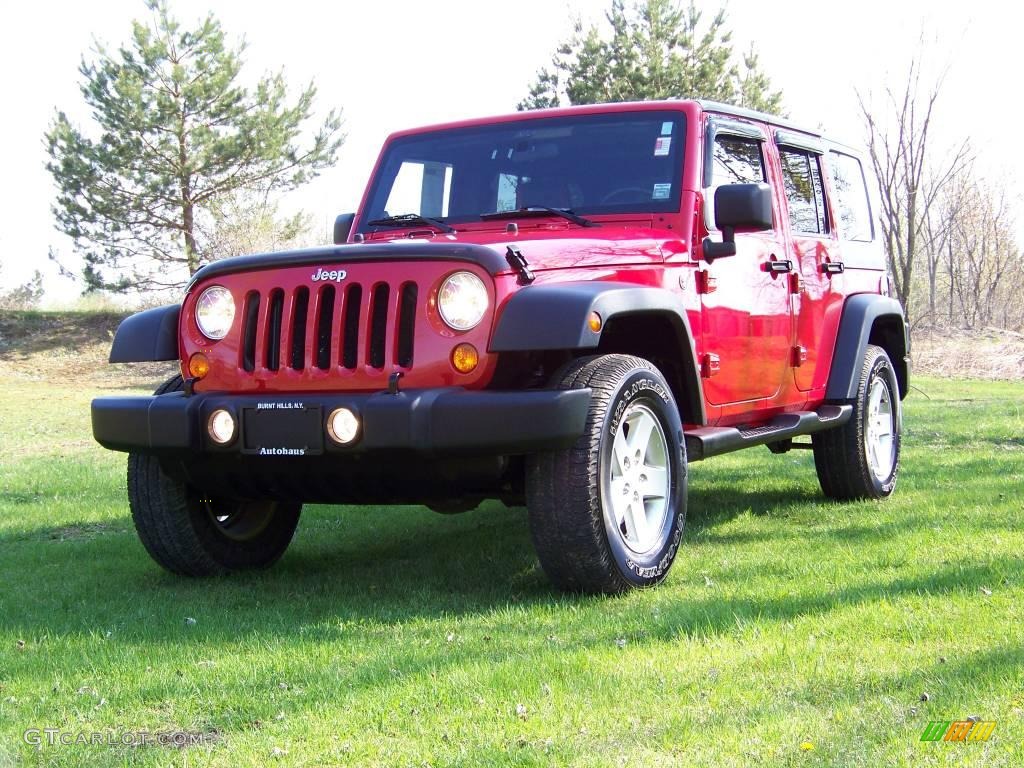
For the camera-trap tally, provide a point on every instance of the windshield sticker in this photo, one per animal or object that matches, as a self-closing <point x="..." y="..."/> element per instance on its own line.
<point x="666" y="128"/>
<point x="661" y="192"/>
<point x="662" y="145"/>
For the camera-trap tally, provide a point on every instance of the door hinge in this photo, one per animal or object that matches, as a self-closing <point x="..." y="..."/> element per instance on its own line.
<point x="798" y="356"/>
<point x="796" y="284"/>
<point x="709" y="366"/>
<point x="705" y="282"/>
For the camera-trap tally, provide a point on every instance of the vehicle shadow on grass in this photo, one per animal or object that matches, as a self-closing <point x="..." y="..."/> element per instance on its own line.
<point x="389" y="562"/>
<point x="397" y="564"/>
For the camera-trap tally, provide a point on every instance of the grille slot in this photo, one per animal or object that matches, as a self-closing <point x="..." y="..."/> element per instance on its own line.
<point x="274" y="317"/>
<point x="350" y="335"/>
<point x="378" y="325"/>
<point x="406" y="324"/>
<point x="251" y="316"/>
<point x="300" y="313"/>
<point x="324" y="325"/>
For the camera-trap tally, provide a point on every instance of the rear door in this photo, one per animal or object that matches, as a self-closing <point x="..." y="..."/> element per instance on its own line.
<point x="813" y="250"/>
<point x="744" y="304"/>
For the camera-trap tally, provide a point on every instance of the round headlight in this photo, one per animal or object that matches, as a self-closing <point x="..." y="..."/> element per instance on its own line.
<point x="215" y="311"/>
<point x="462" y="301"/>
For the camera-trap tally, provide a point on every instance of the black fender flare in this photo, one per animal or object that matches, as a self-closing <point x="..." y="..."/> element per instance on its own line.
<point x="867" y="318"/>
<point x="147" y="336"/>
<point x="555" y="316"/>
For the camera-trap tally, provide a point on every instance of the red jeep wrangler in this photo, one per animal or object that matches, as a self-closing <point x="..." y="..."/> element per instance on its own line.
<point x="561" y="308"/>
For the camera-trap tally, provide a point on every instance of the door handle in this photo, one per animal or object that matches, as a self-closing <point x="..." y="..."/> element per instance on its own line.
<point x="833" y="267"/>
<point x="776" y="267"/>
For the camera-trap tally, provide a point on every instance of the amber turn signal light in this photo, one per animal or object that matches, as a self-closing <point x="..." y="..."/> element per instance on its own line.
<point x="198" y="366"/>
<point x="465" y="358"/>
<point x="594" y="321"/>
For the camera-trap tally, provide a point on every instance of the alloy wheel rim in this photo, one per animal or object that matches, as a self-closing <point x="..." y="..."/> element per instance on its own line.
<point x="639" y="479"/>
<point x="880" y="430"/>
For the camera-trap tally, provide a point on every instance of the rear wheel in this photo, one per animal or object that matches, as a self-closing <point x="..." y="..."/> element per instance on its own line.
<point x="197" y="534"/>
<point x="607" y="514"/>
<point x="861" y="459"/>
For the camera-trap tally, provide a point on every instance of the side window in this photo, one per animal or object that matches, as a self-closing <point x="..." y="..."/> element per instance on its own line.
<point x="737" y="161"/>
<point x="421" y="188"/>
<point x="853" y="211"/>
<point x="801" y="175"/>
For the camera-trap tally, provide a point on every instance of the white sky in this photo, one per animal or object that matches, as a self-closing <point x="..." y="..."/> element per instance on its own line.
<point x="399" y="64"/>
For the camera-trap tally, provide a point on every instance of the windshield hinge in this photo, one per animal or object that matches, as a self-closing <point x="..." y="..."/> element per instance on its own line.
<point x="517" y="261"/>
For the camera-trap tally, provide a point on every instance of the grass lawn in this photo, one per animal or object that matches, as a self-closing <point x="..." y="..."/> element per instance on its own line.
<point x="792" y="630"/>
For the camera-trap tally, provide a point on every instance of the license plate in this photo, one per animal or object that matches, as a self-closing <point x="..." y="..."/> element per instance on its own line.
<point x="283" y="429"/>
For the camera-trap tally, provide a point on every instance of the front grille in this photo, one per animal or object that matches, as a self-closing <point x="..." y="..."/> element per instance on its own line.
<point x="329" y="327"/>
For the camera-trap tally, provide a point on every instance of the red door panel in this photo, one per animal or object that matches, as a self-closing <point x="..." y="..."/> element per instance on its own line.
<point x="746" y="322"/>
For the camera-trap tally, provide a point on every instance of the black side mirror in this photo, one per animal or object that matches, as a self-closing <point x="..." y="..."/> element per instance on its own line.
<point x="342" y="227"/>
<point x="738" y="206"/>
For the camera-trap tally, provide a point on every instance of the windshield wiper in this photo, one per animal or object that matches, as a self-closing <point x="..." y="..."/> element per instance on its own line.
<point x="411" y="220"/>
<point x="539" y="210"/>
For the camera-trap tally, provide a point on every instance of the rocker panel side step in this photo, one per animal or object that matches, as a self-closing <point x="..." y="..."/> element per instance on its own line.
<point x="712" y="441"/>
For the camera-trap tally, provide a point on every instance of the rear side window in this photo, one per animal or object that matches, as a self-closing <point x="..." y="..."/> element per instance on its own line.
<point x="801" y="174"/>
<point x="853" y="212"/>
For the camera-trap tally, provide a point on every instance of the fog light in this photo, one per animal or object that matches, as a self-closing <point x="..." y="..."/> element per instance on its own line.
<point x="343" y="426"/>
<point x="465" y="358"/>
<point x="221" y="426"/>
<point x="198" y="366"/>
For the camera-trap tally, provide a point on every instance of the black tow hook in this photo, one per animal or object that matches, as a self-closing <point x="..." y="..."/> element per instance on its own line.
<point x="393" y="380"/>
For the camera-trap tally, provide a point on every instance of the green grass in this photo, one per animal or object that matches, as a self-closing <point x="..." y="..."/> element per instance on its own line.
<point x="395" y="636"/>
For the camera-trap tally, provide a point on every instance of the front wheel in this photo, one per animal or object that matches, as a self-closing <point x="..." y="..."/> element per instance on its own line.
<point x="607" y="514"/>
<point x="861" y="459"/>
<point x="197" y="534"/>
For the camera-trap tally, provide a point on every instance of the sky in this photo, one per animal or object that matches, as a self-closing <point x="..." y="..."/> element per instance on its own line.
<point x="401" y="64"/>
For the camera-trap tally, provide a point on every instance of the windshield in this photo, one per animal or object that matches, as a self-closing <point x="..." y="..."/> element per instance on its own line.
<point x="590" y="164"/>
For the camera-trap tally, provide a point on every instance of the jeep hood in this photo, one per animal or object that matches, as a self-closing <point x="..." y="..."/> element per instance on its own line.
<point x="543" y="247"/>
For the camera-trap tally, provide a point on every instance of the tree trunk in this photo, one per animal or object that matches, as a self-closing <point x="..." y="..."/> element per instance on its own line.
<point x="187" y="206"/>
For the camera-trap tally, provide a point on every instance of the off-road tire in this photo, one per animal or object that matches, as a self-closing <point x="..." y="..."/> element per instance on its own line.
<point x="179" y="526"/>
<point x="841" y="455"/>
<point x="571" y="524"/>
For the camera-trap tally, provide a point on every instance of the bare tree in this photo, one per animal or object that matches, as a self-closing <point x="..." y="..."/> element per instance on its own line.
<point x="981" y="237"/>
<point x="250" y="222"/>
<point x="974" y="266"/>
<point x="25" y="296"/>
<point x="938" y="225"/>
<point x="910" y="175"/>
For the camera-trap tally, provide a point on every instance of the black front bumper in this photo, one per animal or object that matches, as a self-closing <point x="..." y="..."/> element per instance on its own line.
<point x="449" y="421"/>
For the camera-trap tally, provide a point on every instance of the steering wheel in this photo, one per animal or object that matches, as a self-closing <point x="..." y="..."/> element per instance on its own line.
<point x="638" y="195"/>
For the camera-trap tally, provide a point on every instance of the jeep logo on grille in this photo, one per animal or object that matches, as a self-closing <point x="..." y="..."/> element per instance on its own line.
<point x="337" y="275"/>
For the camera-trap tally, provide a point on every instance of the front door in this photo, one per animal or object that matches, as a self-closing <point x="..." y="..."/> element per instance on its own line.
<point x="745" y="302"/>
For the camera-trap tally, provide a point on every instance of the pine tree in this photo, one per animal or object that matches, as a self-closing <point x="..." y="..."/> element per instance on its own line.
<point x="173" y="134"/>
<point x="654" y="49"/>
